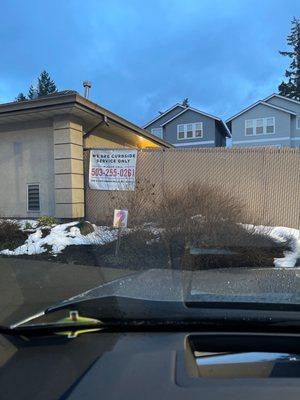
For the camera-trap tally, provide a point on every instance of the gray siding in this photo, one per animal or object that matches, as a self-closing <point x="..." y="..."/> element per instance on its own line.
<point x="295" y="133"/>
<point x="282" y="128"/>
<point x="164" y="118"/>
<point x="290" y="105"/>
<point x="190" y="116"/>
<point x="220" y="138"/>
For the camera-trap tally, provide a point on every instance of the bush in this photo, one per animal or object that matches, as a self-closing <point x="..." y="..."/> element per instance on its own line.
<point x="139" y="202"/>
<point x="85" y="227"/>
<point x="247" y="247"/>
<point x="46" y="221"/>
<point x="11" y="236"/>
<point x="28" y="226"/>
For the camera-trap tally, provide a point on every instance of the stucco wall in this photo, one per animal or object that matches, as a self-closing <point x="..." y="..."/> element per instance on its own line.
<point x="96" y="141"/>
<point x="26" y="156"/>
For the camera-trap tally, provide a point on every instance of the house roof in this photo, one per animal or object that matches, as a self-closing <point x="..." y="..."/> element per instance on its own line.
<point x="263" y="103"/>
<point x="281" y="97"/>
<point x="69" y="101"/>
<point x="227" y="132"/>
<point x="164" y="113"/>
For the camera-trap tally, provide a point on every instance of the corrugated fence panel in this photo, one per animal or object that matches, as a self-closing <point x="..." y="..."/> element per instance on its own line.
<point x="266" y="180"/>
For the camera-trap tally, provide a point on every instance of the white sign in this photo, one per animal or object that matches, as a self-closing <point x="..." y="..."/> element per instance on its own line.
<point x="112" y="169"/>
<point x="120" y="218"/>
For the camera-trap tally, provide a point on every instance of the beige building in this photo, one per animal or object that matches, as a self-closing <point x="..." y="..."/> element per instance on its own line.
<point x="41" y="152"/>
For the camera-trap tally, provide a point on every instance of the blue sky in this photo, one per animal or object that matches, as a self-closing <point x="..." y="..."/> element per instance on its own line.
<point x="144" y="56"/>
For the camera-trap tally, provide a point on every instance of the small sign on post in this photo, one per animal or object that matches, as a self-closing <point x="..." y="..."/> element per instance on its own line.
<point x="120" y="221"/>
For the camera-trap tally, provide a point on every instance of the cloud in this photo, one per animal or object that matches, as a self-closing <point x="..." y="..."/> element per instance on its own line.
<point x="144" y="56"/>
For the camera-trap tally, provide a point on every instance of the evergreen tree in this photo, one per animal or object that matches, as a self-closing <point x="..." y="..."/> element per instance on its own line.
<point x="32" y="92"/>
<point x="291" y="88"/>
<point x="21" y="97"/>
<point x="46" y="85"/>
<point x="185" y="102"/>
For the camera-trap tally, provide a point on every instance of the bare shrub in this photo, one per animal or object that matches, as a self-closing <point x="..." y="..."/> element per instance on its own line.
<point x="11" y="236"/>
<point x="205" y="217"/>
<point x="139" y="202"/>
<point x="198" y="217"/>
<point x="188" y="210"/>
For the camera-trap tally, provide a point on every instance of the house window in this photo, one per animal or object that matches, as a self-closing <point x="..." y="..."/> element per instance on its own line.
<point x="249" y="126"/>
<point x="190" y="131"/>
<point x="180" y="132"/>
<point x="157" y="132"/>
<point x="33" y="197"/>
<point x="259" y="130"/>
<point x="198" y="129"/>
<point x="298" y="122"/>
<point x="270" y="125"/>
<point x="260" y="126"/>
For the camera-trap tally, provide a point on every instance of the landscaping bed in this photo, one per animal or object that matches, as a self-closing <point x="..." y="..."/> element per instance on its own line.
<point x="144" y="249"/>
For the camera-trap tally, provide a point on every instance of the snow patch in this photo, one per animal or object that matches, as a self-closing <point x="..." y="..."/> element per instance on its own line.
<point x="290" y="257"/>
<point x="60" y="237"/>
<point x="282" y="234"/>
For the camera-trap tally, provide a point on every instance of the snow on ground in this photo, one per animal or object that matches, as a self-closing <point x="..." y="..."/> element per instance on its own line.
<point x="27" y="223"/>
<point x="64" y="235"/>
<point x="282" y="234"/>
<point x="60" y="237"/>
<point x="290" y="257"/>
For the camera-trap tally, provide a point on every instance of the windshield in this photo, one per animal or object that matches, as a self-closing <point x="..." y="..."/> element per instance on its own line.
<point x="166" y="196"/>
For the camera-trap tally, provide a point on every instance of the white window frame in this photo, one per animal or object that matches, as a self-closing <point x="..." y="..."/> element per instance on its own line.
<point x="298" y="122"/>
<point x="254" y="124"/>
<point x="156" y="129"/>
<point x="27" y="197"/>
<point x="194" y="124"/>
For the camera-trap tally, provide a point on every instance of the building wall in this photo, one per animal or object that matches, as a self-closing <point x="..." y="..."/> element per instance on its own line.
<point x="68" y="168"/>
<point x="96" y="141"/>
<point x="48" y="153"/>
<point x="164" y="118"/>
<point x="26" y="156"/>
<point x="295" y="133"/>
<point x="290" y="105"/>
<point x="212" y="137"/>
<point x="220" y="138"/>
<point x="281" y="136"/>
<point x="208" y="140"/>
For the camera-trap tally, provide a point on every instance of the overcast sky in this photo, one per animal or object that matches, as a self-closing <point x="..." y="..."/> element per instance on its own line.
<point x="144" y="56"/>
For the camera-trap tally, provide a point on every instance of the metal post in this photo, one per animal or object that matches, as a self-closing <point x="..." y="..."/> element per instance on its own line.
<point x="118" y="242"/>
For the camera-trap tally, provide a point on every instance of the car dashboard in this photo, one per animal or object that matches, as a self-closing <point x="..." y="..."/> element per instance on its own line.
<point x="149" y="365"/>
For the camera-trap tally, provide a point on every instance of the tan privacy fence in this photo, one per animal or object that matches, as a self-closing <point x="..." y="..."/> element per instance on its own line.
<point x="266" y="180"/>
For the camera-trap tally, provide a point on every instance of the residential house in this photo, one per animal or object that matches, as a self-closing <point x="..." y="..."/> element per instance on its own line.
<point x="186" y="127"/>
<point x="274" y="121"/>
<point x="41" y="152"/>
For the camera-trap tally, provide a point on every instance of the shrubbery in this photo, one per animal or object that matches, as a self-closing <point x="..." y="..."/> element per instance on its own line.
<point x="202" y="217"/>
<point x="46" y="221"/>
<point x="11" y="236"/>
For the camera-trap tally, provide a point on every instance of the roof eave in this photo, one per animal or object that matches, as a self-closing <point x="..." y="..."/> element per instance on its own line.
<point x="161" y="115"/>
<point x="104" y="112"/>
<point x="257" y="103"/>
<point x="281" y="97"/>
<point x="70" y="101"/>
